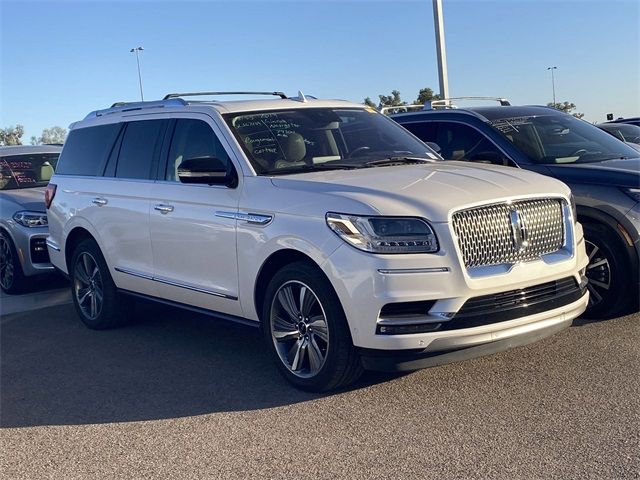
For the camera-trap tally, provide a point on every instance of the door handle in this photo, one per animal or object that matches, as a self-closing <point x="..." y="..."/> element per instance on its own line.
<point x="164" y="209"/>
<point x="99" y="201"/>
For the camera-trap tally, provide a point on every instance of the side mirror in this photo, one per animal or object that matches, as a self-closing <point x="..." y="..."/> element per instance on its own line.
<point x="434" y="146"/>
<point x="207" y="170"/>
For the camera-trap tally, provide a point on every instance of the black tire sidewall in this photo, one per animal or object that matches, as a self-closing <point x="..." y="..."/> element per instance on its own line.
<point x="340" y="350"/>
<point x="111" y="314"/>
<point x="619" y="293"/>
<point x="19" y="280"/>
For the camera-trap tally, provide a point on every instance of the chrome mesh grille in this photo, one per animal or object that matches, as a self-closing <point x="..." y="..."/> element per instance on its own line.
<point x="490" y="235"/>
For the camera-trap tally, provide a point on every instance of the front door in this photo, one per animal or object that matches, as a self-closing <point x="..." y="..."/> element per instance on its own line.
<point x="193" y="229"/>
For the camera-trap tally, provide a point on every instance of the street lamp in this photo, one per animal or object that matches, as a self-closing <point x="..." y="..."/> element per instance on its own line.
<point x="136" y="51"/>
<point x="553" y="83"/>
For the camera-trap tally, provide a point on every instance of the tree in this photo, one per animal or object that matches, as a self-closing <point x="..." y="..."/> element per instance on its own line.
<point x="369" y="103"/>
<point x="11" y="135"/>
<point x="50" y="135"/>
<point x="425" y="95"/>
<point x="394" y="100"/>
<point x="566" y="107"/>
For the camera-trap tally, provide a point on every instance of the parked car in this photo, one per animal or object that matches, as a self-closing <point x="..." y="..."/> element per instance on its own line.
<point x="323" y="222"/>
<point x="622" y="131"/>
<point x="24" y="173"/>
<point x="633" y="121"/>
<point x="603" y="173"/>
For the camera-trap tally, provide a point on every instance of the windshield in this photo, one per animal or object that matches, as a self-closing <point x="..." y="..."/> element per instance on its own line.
<point x="561" y="139"/>
<point x="306" y="139"/>
<point x="27" y="170"/>
<point x="622" y="131"/>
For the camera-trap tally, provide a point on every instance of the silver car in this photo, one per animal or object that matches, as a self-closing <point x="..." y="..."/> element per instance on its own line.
<point x="24" y="174"/>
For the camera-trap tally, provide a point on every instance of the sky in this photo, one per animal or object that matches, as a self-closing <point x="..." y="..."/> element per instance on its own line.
<point x="60" y="60"/>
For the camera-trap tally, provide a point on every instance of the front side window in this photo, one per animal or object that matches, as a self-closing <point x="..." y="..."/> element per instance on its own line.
<point x="193" y="139"/>
<point x="551" y="139"/>
<point x="304" y="139"/>
<point x="27" y="170"/>
<point x="462" y="142"/>
<point x="139" y="148"/>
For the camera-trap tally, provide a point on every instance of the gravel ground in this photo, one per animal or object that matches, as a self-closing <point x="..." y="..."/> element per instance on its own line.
<point x="177" y="395"/>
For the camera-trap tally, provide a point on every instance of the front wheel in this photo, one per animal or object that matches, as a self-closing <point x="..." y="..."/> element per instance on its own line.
<point x="610" y="281"/>
<point x="306" y="330"/>
<point x="12" y="279"/>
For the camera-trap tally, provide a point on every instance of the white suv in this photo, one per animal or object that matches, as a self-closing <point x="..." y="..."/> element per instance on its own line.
<point x="323" y="222"/>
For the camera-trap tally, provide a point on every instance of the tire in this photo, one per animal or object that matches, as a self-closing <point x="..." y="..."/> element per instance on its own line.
<point x="96" y="298"/>
<point x="610" y="281"/>
<point x="312" y="345"/>
<point x="12" y="278"/>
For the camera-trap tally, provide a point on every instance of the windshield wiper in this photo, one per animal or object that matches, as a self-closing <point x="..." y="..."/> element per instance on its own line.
<point x="312" y="168"/>
<point x="396" y="161"/>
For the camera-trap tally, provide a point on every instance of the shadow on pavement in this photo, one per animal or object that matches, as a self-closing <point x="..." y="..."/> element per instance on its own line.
<point x="168" y="363"/>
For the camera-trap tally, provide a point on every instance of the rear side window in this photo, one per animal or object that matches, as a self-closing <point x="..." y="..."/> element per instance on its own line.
<point x="86" y="150"/>
<point x="140" y="148"/>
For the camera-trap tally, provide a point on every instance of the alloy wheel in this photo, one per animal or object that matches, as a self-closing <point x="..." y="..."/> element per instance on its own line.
<point x="88" y="286"/>
<point x="6" y="264"/>
<point x="598" y="273"/>
<point x="299" y="329"/>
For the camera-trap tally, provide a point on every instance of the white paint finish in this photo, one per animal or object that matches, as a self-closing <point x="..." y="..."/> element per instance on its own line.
<point x="193" y="246"/>
<point x="190" y="245"/>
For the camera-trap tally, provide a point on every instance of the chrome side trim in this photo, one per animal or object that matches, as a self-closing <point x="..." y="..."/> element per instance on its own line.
<point x="252" y="218"/>
<point x="134" y="273"/>
<point x="400" y="271"/>
<point x="51" y="244"/>
<point x="168" y="281"/>
<point x="173" y="283"/>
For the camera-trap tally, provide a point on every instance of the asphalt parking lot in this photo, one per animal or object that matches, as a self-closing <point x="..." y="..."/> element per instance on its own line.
<point x="179" y="395"/>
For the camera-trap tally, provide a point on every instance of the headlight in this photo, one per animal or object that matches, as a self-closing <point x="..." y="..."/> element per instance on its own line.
<point x="574" y="209"/>
<point x="31" y="219"/>
<point x="633" y="193"/>
<point x="384" y="234"/>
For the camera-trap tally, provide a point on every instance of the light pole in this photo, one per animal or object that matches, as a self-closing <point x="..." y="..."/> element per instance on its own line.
<point x="136" y="51"/>
<point x="553" y="83"/>
<point x="443" y="75"/>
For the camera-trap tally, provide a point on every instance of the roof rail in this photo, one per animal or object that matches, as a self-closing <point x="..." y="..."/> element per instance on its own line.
<point x="401" y="109"/>
<point x="448" y="103"/>
<point x="195" y="94"/>
<point x="131" y="106"/>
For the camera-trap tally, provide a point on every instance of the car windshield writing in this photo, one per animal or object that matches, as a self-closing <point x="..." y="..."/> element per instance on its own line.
<point x="292" y="141"/>
<point x="26" y="171"/>
<point x="553" y="139"/>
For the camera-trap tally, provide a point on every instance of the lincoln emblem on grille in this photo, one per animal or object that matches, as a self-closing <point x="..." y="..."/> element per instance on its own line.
<point x="518" y="230"/>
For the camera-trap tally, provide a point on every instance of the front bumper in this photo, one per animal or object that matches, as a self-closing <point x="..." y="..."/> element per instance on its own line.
<point x="31" y="247"/>
<point x="367" y="283"/>
<point x="474" y="344"/>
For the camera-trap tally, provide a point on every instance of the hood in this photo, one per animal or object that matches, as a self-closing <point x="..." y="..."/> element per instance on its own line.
<point x="430" y="190"/>
<point x="26" y="198"/>
<point x="616" y="173"/>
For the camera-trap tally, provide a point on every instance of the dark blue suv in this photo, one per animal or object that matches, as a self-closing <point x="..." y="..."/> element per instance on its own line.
<point x="603" y="173"/>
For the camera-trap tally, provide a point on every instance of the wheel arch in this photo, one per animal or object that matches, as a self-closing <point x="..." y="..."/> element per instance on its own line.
<point x="75" y="236"/>
<point x="593" y="215"/>
<point x="270" y="266"/>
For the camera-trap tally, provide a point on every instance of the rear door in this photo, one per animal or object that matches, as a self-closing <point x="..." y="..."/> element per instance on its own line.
<point x="123" y="221"/>
<point x="193" y="227"/>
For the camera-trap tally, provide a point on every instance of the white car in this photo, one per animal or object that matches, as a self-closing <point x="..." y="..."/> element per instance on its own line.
<point x="323" y="222"/>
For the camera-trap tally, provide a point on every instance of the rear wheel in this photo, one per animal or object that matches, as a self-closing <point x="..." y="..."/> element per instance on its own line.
<point x="610" y="280"/>
<point x="95" y="296"/>
<point x="306" y="330"/>
<point x="12" y="279"/>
